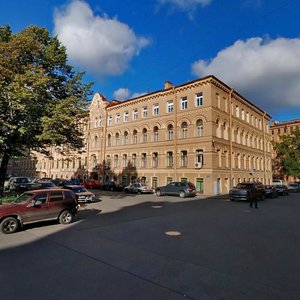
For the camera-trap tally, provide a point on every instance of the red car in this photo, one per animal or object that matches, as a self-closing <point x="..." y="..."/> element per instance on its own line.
<point x="38" y="205"/>
<point x="92" y="184"/>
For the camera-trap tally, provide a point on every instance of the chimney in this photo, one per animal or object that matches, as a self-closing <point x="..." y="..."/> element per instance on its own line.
<point x="168" y="85"/>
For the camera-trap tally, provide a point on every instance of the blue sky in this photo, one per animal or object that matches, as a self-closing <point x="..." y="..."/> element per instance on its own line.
<point x="132" y="47"/>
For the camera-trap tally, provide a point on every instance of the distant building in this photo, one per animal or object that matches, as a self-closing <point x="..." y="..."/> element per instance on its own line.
<point x="200" y="131"/>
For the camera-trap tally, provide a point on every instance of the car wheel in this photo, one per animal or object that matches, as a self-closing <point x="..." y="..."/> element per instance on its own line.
<point x="139" y="192"/>
<point x="182" y="194"/>
<point x="9" y="225"/>
<point x="126" y="191"/>
<point x="158" y="193"/>
<point x="66" y="217"/>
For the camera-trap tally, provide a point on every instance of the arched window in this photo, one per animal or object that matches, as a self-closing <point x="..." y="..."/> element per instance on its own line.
<point x="155" y="134"/>
<point x="134" y="137"/>
<point x="109" y="140"/>
<point x="117" y="139"/>
<point x="125" y="137"/>
<point x="184" y="128"/>
<point x="170" y="132"/>
<point x="199" y="128"/>
<point x="144" y="135"/>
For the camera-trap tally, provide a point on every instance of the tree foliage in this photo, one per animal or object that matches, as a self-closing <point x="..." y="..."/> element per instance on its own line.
<point x="288" y="154"/>
<point x="42" y="97"/>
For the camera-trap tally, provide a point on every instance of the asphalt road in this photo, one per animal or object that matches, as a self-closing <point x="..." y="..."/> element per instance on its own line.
<point x="145" y="247"/>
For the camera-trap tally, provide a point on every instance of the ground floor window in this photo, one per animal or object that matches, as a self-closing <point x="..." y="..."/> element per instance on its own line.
<point x="154" y="182"/>
<point x="184" y="179"/>
<point x="169" y="180"/>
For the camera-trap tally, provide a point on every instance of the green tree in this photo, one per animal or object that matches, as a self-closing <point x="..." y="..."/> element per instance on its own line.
<point x="288" y="154"/>
<point x="42" y="97"/>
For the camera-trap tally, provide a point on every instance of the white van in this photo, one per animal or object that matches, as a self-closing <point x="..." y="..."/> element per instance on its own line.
<point x="277" y="182"/>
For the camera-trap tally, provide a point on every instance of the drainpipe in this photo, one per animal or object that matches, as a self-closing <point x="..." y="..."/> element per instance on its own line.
<point x="264" y="146"/>
<point x="175" y="135"/>
<point x="230" y="137"/>
<point x="104" y="145"/>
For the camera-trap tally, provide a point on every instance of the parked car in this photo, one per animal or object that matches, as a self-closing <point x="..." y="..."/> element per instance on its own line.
<point x="277" y="182"/>
<point x="58" y="181"/>
<point x="82" y="194"/>
<point x="92" y="184"/>
<point x="111" y="186"/>
<point x="45" y="185"/>
<point x="38" y="205"/>
<point x="271" y="191"/>
<point x="181" y="189"/>
<point x="247" y="191"/>
<point x="72" y="182"/>
<point x="282" y="190"/>
<point x="18" y="184"/>
<point x="294" y="187"/>
<point x="138" y="188"/>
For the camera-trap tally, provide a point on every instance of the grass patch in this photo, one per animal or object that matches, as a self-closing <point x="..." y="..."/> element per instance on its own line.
<point x="8" y="199"/>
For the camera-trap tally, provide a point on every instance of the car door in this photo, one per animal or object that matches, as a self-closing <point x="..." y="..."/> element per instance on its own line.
<point x="37" y="209"/>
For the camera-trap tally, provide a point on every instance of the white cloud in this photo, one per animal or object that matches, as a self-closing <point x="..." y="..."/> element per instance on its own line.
<point x="122" y="94"/>
<point x="265" y="71"/>
<point x="189" y="6"/>
<point x="96" y="43"/>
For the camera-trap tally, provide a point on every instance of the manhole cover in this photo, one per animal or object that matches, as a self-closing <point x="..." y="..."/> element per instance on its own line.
<point x="173" y="233"/>
<point x="156" y="206"/>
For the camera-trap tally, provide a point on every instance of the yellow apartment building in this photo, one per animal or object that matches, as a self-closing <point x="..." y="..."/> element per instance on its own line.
<point x="201" y="131"/>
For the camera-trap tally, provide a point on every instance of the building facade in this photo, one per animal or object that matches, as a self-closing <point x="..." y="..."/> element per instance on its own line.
<point x="201" y="131"/>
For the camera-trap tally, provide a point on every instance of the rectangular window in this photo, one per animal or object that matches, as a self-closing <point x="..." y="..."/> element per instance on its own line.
<point x="126" y="116"/>
<point x="143" y="160"/>
<point x="109" y="121"/>
<point x="184" y="159"/>
<point x="133" y="162"/>
<point x="154" y="159"/>
<point x="144" y="112"/>
<point x="116" y="161"/>
<point x="117" y="120"/>
<point x="135" y="114"/>
<point x="199" y="99"/>
<point x="170" y="106"/>
<point x="125" y="160"/>
<point x="183" y="103"/>
<point x="155" y="109"/>
<point x="154" y="182"/>
<point x="169" y="180"/>
<point x="169" y="159"/>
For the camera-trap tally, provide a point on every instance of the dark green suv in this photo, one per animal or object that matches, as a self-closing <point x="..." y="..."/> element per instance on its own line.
<point x="181" y="189"/>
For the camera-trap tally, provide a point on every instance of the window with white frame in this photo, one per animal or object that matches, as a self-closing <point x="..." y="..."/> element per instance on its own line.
<point x="155" y="134"/>
<point x="109" y="140"/>
<point x="133" y="160"/>
<point x="145" y="136"/>
<point x="134" y="137"/>
<point x="116" y="161"/>
<point x="126" y="116"/>
<point x="126" y="138"/>
<point x="135" y="114"/>
<point x="184" y="130"/>
<point x="237" y="111"/>
<point x="183" y="158"/>
<point x="144" y="112"/>
<point x="199" y="99"/>
<point x="154" y="159"/>
<point x="199" y="157"/>
<point x="199" y="128"/>
<point x="117" y="139"/>
<point x="125" y="161"/>
<point x="143" y="160"/>
<point x="155" y="109"/>
<point x="169" y="159"/>
<point x="170" y="106"/>
<point x="184" y="103"/>
<point x="117" y="119"/>
<point x="109" y="121"/>
<point x="170" y="132"/>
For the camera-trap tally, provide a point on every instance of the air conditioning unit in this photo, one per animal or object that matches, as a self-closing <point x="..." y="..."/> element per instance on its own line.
<point x="198" y="165"/>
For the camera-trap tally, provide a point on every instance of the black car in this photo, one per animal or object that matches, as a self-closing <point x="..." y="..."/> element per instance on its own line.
<point x="181" y="189"/>
<point x="111" y="186"/>
<point x="82" y="194"/>
<point x="19" y="184"/>
<point x="247" y="191"/>
<point x="271" y="191"/>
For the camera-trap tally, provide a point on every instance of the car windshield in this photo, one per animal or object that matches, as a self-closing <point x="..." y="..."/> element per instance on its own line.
<point x="22" y="199"/>
<point x="79" y="189"/>
<point x="23" y="180"/>
<point x="244" y="186"/>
